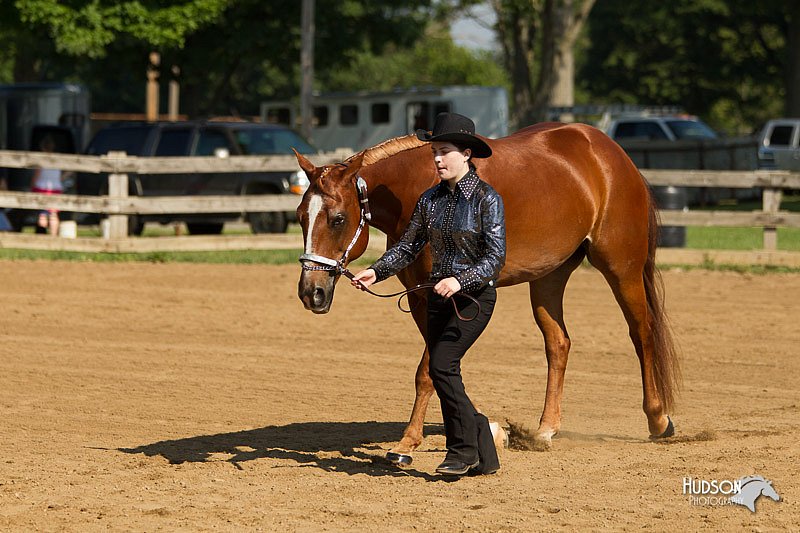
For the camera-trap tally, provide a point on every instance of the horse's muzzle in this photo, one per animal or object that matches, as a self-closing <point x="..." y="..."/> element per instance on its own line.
<point x="316" y="297"/>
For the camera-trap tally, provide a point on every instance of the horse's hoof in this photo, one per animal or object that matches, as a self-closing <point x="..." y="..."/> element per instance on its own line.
<point x="499" y="435"/>
<point x="542" y="443"/>
<point x="670" y="431"/>
<point x="399" y="459"/>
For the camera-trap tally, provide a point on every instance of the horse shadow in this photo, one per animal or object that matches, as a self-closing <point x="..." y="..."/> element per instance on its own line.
<point x="309" y="444"/>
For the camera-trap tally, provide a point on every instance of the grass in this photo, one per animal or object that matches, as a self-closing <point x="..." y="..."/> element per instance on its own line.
<point x="726" y="267"/>
<point x="711" y="238"/>
<point x="260" y="257"/>
<point x="269" y="257"/>
<point x="263" y="257"/>
<point x="726" y="238"/>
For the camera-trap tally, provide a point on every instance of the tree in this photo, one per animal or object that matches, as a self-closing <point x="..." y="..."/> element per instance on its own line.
<point x="434" y="60"/>
<point x="793" y="69"/>
<point x="563" y="22"/>
<point x="232" y="54"/>
<point x="86" y="29"/>
<point x="252" y="53"/>
<point x="727" y="60"/>
<point x="538" y="39"/>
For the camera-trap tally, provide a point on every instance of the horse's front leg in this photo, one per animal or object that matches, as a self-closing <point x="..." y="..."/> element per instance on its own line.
<point x="413" y="434"/>
<point x="416" y="273"/>
<point x="547" y="296"/>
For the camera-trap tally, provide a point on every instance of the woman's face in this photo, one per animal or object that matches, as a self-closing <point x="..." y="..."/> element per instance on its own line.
<point x="450" y="162"/>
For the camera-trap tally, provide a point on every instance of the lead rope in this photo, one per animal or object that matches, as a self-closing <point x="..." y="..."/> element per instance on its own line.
<point x="422" y="286"/>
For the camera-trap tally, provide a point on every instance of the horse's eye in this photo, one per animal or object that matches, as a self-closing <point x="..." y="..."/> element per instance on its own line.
<point x="337" y="221"/>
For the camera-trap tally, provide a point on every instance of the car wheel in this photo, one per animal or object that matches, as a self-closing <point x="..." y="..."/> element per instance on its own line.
<point x="270" y="222"/>
<point x="135" y="226"/>
<point x="17" y="220"/>
<point x="204" y="228"/>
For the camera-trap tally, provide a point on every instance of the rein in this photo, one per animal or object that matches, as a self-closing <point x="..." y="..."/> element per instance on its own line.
<point x="337" y="268"/>
<point x="420" y="287"/>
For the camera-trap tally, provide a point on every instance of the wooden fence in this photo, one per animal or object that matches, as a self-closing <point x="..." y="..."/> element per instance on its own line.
<point x="771" y="182"/>
<point x="117" y="204"/>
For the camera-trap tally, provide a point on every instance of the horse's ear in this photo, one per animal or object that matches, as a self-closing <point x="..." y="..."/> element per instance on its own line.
<point x="354" y="164"/>
<point x="307" y="166"/>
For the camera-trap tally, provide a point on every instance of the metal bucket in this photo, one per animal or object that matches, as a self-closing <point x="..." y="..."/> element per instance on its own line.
<point x="673" y="198"/>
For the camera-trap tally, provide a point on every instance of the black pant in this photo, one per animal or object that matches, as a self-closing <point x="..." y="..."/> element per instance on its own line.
<point x="468" y="435"/>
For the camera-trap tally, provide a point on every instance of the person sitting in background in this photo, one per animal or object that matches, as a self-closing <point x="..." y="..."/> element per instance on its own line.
<point x="47" y="181"/>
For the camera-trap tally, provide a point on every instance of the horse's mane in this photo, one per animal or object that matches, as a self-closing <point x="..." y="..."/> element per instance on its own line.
<point x="387" y="148"/>
<point x="745" y="480"/>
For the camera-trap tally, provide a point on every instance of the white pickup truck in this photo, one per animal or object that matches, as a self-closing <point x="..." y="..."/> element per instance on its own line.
<point x="779" y="144"/>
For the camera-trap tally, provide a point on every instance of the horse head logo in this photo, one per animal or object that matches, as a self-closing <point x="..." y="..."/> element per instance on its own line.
<point x="751" y="488"/>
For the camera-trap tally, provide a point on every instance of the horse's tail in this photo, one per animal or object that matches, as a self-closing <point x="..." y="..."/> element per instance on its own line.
<point x="665" y="354"/>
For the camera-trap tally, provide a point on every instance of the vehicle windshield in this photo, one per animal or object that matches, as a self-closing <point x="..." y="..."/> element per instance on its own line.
<point x="128" y="140"/>
<point x="691" y="129"/>
<point x="258" y="141"/>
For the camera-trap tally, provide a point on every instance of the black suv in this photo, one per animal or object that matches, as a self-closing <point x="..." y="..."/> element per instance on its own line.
<point x="181" y="139"/>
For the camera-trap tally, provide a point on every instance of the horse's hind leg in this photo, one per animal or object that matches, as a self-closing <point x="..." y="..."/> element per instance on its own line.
<point x="547" y="297"/>
<point x="626" y="279"/>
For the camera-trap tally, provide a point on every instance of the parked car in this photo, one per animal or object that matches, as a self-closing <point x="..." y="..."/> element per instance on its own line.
<point x="200" y="138"/>
<point x="781" y="138"/>
<point x="652" y="128"/>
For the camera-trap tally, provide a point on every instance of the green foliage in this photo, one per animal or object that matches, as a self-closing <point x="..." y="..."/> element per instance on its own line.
<point x="434" y="60"/>
<point x="252" y="53"/>
<point x="714" y="238"/>
<point x="231" y="55"/>
<point x="709" y="264"/>
<point x="727" y="238"/>
<point x="725" y="60"/>
<point x="722" y="59"/>
<point x="87" y="28"/>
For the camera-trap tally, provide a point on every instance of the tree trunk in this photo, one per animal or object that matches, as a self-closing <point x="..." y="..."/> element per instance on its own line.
<point x="793" y="66"/>
<point x="563" y="21"/>
<point x="27" y="65"/>
<point x="555" y="24"/>
<point x="307" y="67"/>
<point x="516" y="31"/>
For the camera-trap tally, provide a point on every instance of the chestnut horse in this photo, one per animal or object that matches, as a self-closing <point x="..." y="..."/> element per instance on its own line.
<point x="570" y="193"/>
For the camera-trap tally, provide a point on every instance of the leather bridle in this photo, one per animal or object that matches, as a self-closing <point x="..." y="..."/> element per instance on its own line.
<point x="337" y="267"/>
<point x="333" y="266"/>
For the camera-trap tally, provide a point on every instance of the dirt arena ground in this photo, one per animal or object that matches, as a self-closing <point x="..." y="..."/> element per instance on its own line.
<point x="174" y="397"/>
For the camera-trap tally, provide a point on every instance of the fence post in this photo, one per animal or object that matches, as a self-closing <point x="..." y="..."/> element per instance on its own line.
<point x="771" y="202"/>
<point x="117" y="189"/>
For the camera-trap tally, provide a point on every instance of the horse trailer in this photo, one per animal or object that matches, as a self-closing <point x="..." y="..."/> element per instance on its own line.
<point x="24" y="106"/>
<point x="358" y="120"/>
<point x="29" y="112"/>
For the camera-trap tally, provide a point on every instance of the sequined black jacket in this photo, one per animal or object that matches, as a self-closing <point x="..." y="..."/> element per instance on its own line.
<point x="466" y="231"/>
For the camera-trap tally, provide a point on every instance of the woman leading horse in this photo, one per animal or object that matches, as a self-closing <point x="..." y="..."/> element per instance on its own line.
<point x="463" y="220"/>
<point x="569" y="192"/>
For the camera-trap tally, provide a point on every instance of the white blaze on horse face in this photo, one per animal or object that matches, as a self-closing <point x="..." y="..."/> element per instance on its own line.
<point x="314" y="208"/>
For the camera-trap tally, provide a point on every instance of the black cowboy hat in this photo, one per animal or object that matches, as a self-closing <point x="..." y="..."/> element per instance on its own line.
<point x="457" y="129"/>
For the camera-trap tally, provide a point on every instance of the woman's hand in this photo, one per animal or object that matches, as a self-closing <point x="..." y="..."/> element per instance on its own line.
<point x="447" y="287"/>
<point x="364" y="279"/>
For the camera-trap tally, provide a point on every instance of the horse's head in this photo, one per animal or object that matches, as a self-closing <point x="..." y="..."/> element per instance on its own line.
<point x="330" y="215"/>
<point x="769" y="491"/>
